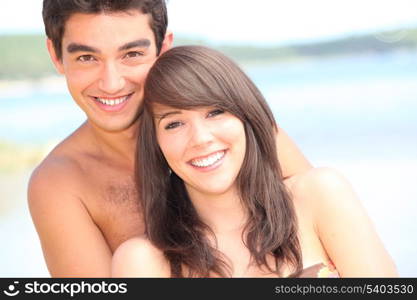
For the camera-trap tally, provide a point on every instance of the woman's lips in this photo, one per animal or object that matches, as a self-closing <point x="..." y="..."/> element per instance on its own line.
<point x="209" y="162"/>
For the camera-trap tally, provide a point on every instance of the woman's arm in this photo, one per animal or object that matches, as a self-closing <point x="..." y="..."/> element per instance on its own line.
<point x="137" y="257"/>
<point x="346" y="232"/>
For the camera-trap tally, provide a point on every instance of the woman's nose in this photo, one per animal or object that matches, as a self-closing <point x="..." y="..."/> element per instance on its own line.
<point x="201" y="134"/>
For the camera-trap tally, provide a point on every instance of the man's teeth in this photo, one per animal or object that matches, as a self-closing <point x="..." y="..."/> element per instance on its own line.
<point x="112" y="102"/>
<point x="208" y="161"/>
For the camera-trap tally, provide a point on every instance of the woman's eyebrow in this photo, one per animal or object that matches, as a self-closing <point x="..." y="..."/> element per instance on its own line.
<point x="164" y="115"/>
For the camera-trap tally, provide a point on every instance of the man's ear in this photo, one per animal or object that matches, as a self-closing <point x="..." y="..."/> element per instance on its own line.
<point x="52" y="53"/>
<point x="167" y="42"/>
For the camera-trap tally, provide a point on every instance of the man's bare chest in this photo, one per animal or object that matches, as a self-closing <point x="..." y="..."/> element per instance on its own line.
<point x="115" y="208"/>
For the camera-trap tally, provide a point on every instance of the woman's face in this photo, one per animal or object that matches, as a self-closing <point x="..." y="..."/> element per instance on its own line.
<point x="205" y="146"/>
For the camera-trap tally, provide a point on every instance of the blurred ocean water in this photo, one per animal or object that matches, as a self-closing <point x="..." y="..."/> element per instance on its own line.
<point x="358" y="115"/>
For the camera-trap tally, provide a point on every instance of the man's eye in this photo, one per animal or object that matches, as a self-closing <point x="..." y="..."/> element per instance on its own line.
<point x="215" y="112"/>
<point x="86" y="58"/>
<point x="134" y="54"/>
<point x="172" y="125"/>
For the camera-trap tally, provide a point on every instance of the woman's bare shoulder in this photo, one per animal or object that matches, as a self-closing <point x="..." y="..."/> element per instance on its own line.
<point x="342" y="224"/>
<point x="322" y="177"/>
<point x="325" y="192"/>
<point x="316" y="184"/>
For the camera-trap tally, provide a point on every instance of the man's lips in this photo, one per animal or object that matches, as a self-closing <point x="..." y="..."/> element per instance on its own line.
<point x="111" y="101"/>
<point x="112" y="104"/>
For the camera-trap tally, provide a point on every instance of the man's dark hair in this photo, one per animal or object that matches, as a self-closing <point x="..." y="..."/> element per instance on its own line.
<point x="55" y="14"/>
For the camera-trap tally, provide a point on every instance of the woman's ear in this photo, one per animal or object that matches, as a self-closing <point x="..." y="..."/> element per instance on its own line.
<point x="55" y="60"/>
<point x="167" y="42"/>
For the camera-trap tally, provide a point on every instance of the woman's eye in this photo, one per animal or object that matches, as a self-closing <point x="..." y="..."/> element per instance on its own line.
<point x="172" y="125"/>
<point x="215" y="112"/>
<point x="86" y="58"/>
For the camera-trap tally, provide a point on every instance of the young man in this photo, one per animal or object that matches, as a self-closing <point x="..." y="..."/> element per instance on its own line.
<point x="83" y="197"/>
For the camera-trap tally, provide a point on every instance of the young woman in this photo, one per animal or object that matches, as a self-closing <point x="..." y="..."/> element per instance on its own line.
<point x="214" y="201"/>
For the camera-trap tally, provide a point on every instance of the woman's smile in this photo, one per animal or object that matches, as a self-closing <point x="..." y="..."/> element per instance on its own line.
<point x="208" y="162"/>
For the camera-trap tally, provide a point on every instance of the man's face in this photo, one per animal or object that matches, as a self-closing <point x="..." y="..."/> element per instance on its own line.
<point x="105" y="59"/>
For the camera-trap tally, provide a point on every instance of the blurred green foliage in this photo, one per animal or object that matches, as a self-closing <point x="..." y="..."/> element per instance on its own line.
<point x="26" y="57"/>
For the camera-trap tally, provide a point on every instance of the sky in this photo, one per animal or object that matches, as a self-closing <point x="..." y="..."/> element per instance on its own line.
<point x="252" y="22"/>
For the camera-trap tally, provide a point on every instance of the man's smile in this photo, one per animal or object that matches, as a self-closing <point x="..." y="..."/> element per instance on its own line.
<point x="112" y="104"/>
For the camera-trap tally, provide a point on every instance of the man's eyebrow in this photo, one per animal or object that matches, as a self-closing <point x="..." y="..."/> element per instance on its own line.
<point x="74" y="47"/>
<point x="142" y="43"/>
<point x="164" y="115"/>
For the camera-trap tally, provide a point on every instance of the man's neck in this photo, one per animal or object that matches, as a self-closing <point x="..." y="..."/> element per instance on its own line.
<point x="117" y="146"/>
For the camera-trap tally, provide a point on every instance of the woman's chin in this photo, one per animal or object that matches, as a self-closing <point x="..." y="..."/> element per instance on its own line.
<point x="216" y="188"/>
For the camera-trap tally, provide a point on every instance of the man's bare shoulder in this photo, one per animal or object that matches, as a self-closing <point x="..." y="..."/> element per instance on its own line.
<point x="61" y="171"/>
<point x="55" y="167"/>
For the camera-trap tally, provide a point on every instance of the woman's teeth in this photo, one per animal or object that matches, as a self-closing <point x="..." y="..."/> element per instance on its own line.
<point x="208" y="161"/>
<point x="112" y="102"/>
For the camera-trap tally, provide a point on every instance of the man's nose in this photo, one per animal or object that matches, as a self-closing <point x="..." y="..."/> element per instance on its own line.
<point x="112" y="80"/>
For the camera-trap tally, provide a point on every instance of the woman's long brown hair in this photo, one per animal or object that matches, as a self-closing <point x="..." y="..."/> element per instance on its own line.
<point x="188" y="77"/>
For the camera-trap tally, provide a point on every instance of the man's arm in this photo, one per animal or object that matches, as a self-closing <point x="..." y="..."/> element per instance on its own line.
<point x="290" y="157"/>
<point x="72" y="244"/>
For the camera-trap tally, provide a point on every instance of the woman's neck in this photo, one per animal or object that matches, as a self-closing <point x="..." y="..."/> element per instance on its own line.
<point x="223" y="213"/>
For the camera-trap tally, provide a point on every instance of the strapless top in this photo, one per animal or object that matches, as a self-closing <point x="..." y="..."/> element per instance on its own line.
<point x="320" y="270"/>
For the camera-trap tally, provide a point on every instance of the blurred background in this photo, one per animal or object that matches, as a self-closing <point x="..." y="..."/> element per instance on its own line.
<point x="341" y="77"/>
